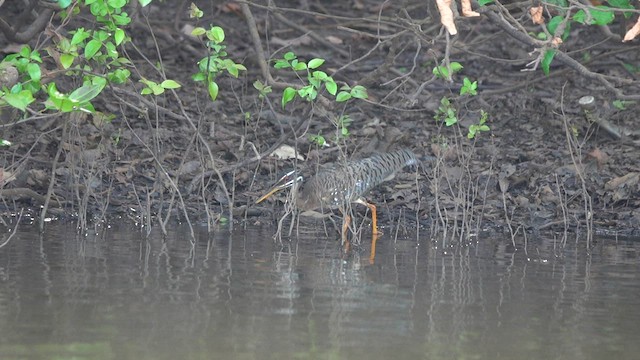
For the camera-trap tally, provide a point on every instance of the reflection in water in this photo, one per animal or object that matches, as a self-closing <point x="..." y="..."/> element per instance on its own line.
<point x="242" y="295"/>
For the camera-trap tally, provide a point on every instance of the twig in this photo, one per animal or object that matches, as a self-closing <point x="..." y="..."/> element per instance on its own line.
<point x="560" y="55"/>
<point x="15" y="230"/>
<point x="52" y="181"/>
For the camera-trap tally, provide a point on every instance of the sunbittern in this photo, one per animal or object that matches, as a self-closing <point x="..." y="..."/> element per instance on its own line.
<point x="339" y="185"/>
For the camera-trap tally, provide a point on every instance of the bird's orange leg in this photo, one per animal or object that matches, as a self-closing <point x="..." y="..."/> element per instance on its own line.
<point x="372" y="257"/>
<point x="374" y="218"/>
<point x="346" y="221"/>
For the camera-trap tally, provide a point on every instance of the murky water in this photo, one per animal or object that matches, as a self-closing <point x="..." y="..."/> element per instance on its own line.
<point x="118" y="295"/>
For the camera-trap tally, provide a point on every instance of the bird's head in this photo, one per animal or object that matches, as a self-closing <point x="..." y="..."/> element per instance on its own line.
<point x="288" y="180"/>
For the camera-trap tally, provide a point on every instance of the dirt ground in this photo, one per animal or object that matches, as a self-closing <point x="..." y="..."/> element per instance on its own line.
<point x="543" y="166"/>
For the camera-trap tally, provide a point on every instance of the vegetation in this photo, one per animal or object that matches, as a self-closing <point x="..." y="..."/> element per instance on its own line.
<point x="90" y="75"/>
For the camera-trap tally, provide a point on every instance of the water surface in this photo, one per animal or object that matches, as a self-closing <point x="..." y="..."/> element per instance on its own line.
<point x="120" y="295"/>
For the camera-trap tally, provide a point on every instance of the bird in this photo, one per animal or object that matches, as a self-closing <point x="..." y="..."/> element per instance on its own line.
<point x="341" y="184"/>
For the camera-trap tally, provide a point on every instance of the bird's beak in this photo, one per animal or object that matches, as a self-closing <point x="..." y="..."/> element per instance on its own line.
<point x="273" y="190"/>
<point x="286" y="181"/>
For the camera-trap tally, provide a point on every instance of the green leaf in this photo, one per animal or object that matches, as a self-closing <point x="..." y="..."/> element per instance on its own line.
<point x="157" y="89"/>
<point x="622" y="4"/>
<point x="468" y="87"/>
<point x="170" y="84"/>
<point x="484" y="2"/>
<point x="359" y="92"/>
<point x="343" y="96"/>
<point x="621" y="104"/>
<point x="450" y="121"/>
<point x="331" y="86"/>
<point x="198" y="77"/>
<point x="281" y="64"/>
<point x="441" y="72"/>
<point x="65" y="46"/>
<point x="119" y="36"/>
<point x="216" y="34"/>
<point x="122" y="19"/>
<point x="194" y="11"/>
<point x="15" y="88"/>
<point x="299" y="65"/>
<point x="308" y="92"/>
<point x="98" y="8"/>
<point x="35" y="56"/>
<point x="58" y="100"/>
<point x="144" y="3"/>
<point x="119" y="76"/>
<point x="20" y="100"/>
<point x="92" y="48"/>
<point x="315" y="82"/>
<point x="117" y="4"/>
<point x="66" y="60"/>
<point x="553" y="25"/>
<point x="258" y="85"/>
<point x="213" y="90"/>
<point x="111" y="50"/>
<point x="25" y="51"/>
<point x="317" y="139"/>
<point x="289" y="56"/>
<point x="546" y="61"/>
<point x="315" y="63"/>
<point x="601" y="17"/>
<point x="456" y="66"/>
<point x="89" y="91"/>
<point x="101" y="35"/>
<point x="64" y="3"/>
<point x="287" y="95"/>
<point x="233" y="71"/>
<point x="79" y="36"/>
<point x="34" y="71"/>
<point x="198" y="31"/>
<point x="320" y="75"/>
<point x="152" y="87"/>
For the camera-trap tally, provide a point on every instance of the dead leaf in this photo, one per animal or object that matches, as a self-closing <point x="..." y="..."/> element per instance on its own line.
<point x="633" y="32"/>
<point x="466" y="9"/>
<point x="506" y="171"/>
<point x="600" y="157"/>
<point x="301" y="40"/>
<point x="37" y="178"/>
<point x="504" y="185"/>
<point x="231" y="7"/>
<point x="334" y="40"/>
<point x="187" y="30"/>
<point x="547" y="195"/>
<point x="627" y="180"/>
<point x="624" y="187"/>
<point x="358" y="5"/>
<point x="536" y="15"/>
<point x="446" y="16"/>
<point x="285" y="152"/>
<point x="190" y="168"/>
<point x="6" y="176"/>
